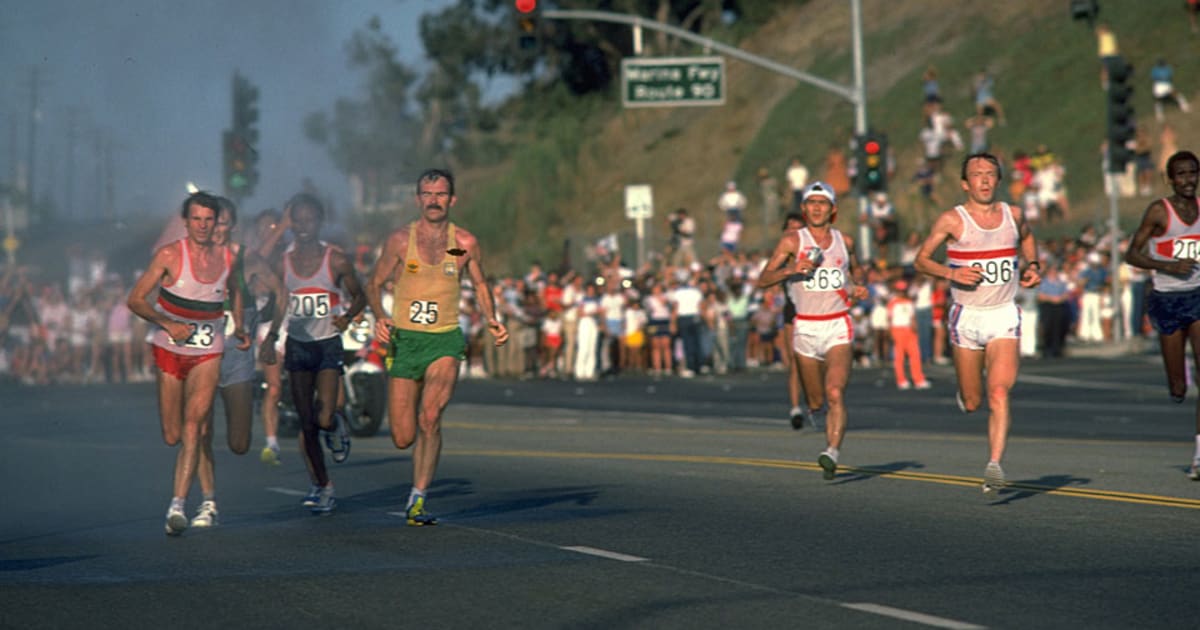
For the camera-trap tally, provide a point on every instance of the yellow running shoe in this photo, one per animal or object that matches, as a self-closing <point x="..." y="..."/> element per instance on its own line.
<point x="270" y="455"/>
<point x="417" y="517"/>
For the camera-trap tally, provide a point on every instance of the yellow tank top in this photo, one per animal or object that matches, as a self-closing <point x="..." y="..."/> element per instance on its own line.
<point x="426" y="295"/>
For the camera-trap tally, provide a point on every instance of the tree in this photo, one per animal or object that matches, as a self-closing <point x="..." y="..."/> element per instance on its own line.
<point x="375" y="139"/>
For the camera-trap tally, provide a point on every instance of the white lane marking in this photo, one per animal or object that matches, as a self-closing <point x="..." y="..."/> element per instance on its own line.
<point x="611" y="555"/>
<point x="915" y="617"/>
<point x="287" y="491"/>
<point x="898" y="613"/>
<point x="1075" y="383"/>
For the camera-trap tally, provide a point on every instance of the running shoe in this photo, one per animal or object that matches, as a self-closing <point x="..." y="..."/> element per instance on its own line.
<point x="904" y="386"/>
<point x="206" y="516"/>
<point x="816" y="417"/>
<point x="314" y="495"/>
<point x="924" y="385"/>
<point x="270" y="455"/>
<point x="417" y="516"/>
<point x="798" y="418"/>
<point x="1194" y="473"/>
<point x="1178" y="399"/>
<point x="993" y="477"/>
<point x="828" y="461"/>
<point x="176" y="520"/>
<point x="325" y="501"/>
<point x="337" y="440"/>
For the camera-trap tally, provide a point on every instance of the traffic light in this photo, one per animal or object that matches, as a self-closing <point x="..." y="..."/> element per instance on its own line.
<point x="240" y="175"/>
<point x="241" y="153"/>
<point x="1085" y="10"/>
<point x="872" y="162"/>
<point x="527" y="25"/>
<point x="1121" y="128"/>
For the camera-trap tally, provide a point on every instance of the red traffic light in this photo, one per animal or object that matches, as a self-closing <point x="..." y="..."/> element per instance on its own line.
<point x="871" y="147"/>
<point x="526" y="6"/>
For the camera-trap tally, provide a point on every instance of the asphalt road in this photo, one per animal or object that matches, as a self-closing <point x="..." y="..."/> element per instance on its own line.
<point x="629" y="503"/>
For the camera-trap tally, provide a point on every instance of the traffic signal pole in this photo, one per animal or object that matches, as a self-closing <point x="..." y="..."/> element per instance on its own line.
<point x="865" y="244"/>
<point x="1120" y="130"/>
<point x="856" y="93"/>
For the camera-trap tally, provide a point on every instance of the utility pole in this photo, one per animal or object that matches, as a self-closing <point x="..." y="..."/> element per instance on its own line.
<point x="98" y="150"/>
<point x="31" y="150"/>
<point x="110" y="208"/>
<point x="14" y="160"/>
<point x="69" y="209"/>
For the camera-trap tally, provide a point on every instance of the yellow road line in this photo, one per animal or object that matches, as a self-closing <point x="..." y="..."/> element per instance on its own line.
<point x="953" y="480"/>
<point x="778" y="430"/>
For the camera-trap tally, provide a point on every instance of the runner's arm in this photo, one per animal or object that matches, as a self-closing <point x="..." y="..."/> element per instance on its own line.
<point x="344" y="272"/>
<point x="777" y="268"/>
<point x="394" y="250"/>
<point x="1031" y="276"/>
<point x="1154" y="223"/>
<point x="164" y="260"/>
<point x="483" y="291"/>
<point x="944" y="229"/>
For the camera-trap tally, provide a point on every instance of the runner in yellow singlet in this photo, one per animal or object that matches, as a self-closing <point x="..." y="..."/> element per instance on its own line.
<point x="426" y="260"/>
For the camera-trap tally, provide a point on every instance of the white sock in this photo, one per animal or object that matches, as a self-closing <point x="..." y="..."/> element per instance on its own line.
<point x="832" y="451"/>
<point x="177" y="502"/>
<point x="413" y="496"/>
<point x="272" y="441"/>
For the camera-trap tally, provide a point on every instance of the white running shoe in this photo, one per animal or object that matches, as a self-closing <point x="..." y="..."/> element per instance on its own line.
<point x="828" y="461"/>
<point x="176" y="520"/>
<point x="797" y="415"/>
<point x="325" y="500"/>
<point x="337" y="439"/>
<point x="1194" y="473"/>
<point x="314" y="494"/>
<point x="816" y="417"/>
<point x="993" y="477"/>
<point x="206" y="516"/>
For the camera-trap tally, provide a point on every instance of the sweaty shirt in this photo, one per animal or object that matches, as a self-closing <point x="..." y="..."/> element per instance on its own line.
<point x="427" y="294"/>
<point x="993" y="252"/>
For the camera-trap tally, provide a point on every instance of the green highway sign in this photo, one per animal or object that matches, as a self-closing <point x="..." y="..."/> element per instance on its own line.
<point x="672" y="81"/>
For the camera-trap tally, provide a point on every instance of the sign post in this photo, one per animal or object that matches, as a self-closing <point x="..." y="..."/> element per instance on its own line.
<point x="672" y="81"/>
<point x="639" y="206"/>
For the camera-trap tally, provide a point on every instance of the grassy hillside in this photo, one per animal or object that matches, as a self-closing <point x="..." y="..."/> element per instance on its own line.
<point x="566" y="179"/>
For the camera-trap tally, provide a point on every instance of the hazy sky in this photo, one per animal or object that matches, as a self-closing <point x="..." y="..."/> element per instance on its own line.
<point x="154" y="75"/>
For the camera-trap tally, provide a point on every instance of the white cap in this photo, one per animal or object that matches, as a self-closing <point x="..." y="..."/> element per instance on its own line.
<point x="819" y="189"/>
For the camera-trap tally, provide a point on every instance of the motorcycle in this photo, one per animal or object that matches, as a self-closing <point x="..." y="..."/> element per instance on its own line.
<point x="365" y="379"/>
<point x="364" y="382"/>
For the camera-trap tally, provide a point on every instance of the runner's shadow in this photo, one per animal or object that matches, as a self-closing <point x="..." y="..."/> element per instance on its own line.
<point x="510" y="505"/>
<point x="362" y="462"/>
<point x="1019" y="490"/>
<point x="30" y="564"/>
<point x="398" y="494"/>
<point x="863" y="473"/>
